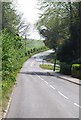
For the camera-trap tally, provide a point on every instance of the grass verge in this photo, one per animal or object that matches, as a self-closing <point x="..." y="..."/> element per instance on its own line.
<point x="49" y="67"/>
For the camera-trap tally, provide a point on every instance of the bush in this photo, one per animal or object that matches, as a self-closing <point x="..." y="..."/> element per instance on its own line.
<point x="28" y="52"/>
<point x="65" y="68"/>
<point x="76" y="70"/>
<point x="34" y="49"/>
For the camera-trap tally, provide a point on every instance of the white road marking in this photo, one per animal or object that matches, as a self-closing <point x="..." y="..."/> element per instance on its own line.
<point x="39" y="77"/>
<point x="46" y="82"/>
<point x="52" y="87"/>
<point x="42" y="79"/>
<point x="63" y="95"/>
<point x="58" y="91"/>
<point x="77" y="105"/>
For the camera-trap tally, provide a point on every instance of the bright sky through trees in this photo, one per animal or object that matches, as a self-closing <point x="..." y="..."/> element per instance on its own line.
<point x="29" y="9"/>
<point x="30" y="12"/>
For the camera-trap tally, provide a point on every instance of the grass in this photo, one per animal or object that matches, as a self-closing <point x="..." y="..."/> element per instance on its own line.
<point x="49" y="67"/>
<point x="45" y="66"/>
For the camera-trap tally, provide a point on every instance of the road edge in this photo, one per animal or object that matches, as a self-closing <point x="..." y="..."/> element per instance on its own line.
<point x="65" y="79"/>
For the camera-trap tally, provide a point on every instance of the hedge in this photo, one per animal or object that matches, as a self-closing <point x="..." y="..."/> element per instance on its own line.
<point x="76" y="70"/>
<point x="65" y="68"/>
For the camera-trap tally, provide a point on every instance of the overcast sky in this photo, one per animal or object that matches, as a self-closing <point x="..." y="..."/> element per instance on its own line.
<point x="30" y="11"/>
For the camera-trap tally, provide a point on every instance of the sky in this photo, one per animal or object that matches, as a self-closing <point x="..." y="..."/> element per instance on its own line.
<point x="29" y="9"/>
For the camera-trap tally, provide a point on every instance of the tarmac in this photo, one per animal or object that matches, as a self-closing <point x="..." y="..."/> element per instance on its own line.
<point x="66" y="77"/>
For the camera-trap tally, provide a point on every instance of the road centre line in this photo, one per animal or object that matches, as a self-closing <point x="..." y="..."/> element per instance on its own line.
<point x="58" y="91"/>
<point x="63" y="95"/>
<point x="52" y="87"/>
<point x="42" y="79"/>
<point x="77" y="105"/>
<point x="46" y="82"/>
<point x="39" y="77"/>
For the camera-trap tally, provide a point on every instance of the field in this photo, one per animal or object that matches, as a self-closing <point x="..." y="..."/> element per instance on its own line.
<point x="31" y="44"/>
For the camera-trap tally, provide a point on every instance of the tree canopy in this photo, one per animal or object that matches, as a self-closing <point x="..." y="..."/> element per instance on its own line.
<point x="60" y="24"/>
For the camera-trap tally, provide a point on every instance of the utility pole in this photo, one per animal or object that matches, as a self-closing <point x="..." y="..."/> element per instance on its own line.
<point x="54" y="61"/>
<point x="25" y="46"/>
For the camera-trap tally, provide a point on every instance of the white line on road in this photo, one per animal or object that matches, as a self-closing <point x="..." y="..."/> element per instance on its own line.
<point x="52" y="87"/>
<point x="63" y="95"/>
<point x="39" y="77"/>
<point x="42" y="79"/>
<point x="77" y="105"/>
<point x="46" y="82"/>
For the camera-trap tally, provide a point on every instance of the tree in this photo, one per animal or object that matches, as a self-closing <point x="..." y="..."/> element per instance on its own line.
<point x="63" y="21"/>
<point x="53" y="24"/>
<point x="9" y="17"/>
<point x="72" y="53"/>
<point x="12" y="20"/>
<point x="80" y="25"/>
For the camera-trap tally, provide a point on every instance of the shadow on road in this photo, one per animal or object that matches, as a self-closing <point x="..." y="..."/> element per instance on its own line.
<point x="37" y="73"/>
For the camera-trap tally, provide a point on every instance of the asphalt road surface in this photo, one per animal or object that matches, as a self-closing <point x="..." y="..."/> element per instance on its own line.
<point x="37" y="94"/>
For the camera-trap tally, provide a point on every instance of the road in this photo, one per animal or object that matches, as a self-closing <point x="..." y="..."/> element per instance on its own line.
<point x="39" y="95"/>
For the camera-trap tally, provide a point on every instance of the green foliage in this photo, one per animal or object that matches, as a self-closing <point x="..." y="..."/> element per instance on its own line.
<point x="10" y="19"/>
<point x="64" y="52"/>
<point x="12" y="52"/>
<point x="60" y="25"/>
<point x="70" y="50"/>
<point x="54" y="23"/>
<point x="76" y="70"/>
<point x="65" y="68"/>
<point x="13" y="57"/>
<point x="76" y="66"/>
<point x="49" y="67"/>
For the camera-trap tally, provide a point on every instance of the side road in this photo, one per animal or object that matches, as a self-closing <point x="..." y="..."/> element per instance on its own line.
<point x="66" y="77"/>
